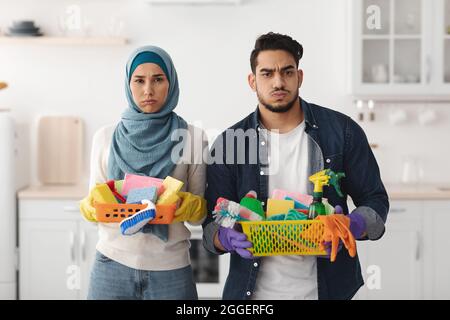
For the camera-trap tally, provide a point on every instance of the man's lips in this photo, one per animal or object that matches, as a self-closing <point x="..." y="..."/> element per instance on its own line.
<point x="279" y="94"/>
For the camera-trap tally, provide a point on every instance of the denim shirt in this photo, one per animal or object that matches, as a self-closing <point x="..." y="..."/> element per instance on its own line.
<point x="336" y="142"/>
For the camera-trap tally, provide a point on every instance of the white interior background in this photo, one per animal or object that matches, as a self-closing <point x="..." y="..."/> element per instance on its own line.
<point x="210" y="46"/>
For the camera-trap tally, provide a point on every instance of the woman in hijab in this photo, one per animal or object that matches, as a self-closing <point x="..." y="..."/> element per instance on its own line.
<point x="153" y="263"/>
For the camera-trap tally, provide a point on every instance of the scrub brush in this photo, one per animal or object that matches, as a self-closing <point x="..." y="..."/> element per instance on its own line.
<point x="137" y="221"/>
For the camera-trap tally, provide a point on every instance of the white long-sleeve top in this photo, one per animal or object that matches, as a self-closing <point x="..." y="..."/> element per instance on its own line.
<point x="146" y="251"/>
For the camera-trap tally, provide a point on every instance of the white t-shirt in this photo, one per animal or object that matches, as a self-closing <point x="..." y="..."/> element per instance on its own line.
<point x="145" y="251"/>
<point x="287" y="277"/>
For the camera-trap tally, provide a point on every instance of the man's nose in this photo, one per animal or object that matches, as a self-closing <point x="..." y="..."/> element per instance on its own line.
<point x="278" y="81"/>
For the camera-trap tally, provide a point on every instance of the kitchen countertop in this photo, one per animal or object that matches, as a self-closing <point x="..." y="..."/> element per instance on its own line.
<point x="70" y="192"/>
<point x="419" y="192"/>
<point x="395" y="191"/>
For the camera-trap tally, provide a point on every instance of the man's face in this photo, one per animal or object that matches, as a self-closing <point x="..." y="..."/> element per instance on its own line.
<point x="276" y="81"/>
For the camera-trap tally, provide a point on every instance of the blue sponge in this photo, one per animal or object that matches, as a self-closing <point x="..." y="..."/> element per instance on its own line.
<point x="139" y="194"/>
<point x="137" y="221"/>
<point x="297" y="204"/>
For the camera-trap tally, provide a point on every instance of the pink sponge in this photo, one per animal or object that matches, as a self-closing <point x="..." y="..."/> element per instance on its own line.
<point x="133" y="181"/>
<point x="305" y="199"/>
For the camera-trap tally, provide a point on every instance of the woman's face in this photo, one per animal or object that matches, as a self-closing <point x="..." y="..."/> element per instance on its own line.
<point x="149" y="87"/>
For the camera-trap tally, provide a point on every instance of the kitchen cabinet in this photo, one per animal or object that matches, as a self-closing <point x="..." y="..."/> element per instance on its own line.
<point x="437" y="244"/>
<point x="408" y="262"/>
<point x="56" y="250"/>
<point x="393" y="265"/>
<point x="401" y="47"/>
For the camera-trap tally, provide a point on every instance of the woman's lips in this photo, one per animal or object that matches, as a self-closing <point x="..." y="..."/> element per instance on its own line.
<point x="148" y="102"/>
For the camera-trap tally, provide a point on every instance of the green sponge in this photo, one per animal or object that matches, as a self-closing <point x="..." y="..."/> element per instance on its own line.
<point x="253" y="204"/>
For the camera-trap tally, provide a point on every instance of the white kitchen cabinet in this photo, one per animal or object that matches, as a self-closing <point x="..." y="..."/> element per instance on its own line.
<point x="436" y="216"/>
<point x="401" y="47"/>
<point x="393" y="265"/>
<point x="411" y="257"/>
<point x="56" y="250"/>
<point x="88" y="240"/>
<point x="47" y="249"/>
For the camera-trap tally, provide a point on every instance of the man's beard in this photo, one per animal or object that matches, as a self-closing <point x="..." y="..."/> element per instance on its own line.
<point x="280" y="109"/>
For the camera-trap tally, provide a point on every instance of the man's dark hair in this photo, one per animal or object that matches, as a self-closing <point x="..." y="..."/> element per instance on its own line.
<point x="276" y="41"/>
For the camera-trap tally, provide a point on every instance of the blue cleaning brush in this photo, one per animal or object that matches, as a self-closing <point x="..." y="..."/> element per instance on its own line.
<point x="137" y="221"/>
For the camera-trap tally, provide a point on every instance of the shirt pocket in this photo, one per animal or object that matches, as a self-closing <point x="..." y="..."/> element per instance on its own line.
<point x="334" y="162"/>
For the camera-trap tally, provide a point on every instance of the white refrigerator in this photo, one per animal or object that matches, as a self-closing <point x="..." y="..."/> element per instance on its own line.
<point x="8" y="287"/>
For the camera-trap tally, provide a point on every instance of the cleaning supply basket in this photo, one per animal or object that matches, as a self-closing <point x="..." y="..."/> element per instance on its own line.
<point x="116" y="212"/>
<point x="292" y="237"/>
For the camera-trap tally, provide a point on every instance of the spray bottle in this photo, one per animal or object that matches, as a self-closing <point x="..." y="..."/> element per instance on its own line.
<point x="320" y="179"/>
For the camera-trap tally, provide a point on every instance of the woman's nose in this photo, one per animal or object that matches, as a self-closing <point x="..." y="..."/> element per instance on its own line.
<point x="148" y="89"/>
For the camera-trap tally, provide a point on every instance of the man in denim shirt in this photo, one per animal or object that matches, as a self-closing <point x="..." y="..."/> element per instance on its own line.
<point x="301" y="138"/>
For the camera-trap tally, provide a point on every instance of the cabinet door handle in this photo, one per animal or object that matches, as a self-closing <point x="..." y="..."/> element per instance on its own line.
<point x="71" y="209"/>
<point x="397" y="210"/>
<point x="429" y="65"/>
<point x="418" y="245"/>
<point x="72" y="245"/>
<point x="83" y="245"/>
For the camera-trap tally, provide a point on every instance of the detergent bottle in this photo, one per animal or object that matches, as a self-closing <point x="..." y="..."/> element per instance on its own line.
<point x="321" y="179"/>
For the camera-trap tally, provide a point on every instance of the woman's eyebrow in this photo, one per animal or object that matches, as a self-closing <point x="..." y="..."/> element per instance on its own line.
<point x="153" y="75"/>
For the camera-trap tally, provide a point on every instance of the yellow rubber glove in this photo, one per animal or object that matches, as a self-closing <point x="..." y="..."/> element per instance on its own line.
<point x="192" y="208"/>
<point x="87" y="208"/>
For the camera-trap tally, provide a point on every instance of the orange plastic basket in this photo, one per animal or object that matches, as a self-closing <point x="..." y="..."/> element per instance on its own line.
<point x="116" y="212"/>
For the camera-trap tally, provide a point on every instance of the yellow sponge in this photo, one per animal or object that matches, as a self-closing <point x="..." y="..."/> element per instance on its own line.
<point x="171" y="188"/>
<point x="276" y="206"/>
<point x="101" y="193"/>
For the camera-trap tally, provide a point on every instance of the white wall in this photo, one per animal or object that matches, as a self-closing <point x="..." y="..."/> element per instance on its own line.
<point x="210" y="47"/>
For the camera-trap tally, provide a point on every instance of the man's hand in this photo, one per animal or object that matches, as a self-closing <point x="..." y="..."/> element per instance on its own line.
<point x="230" y="240"/>
<point x="337" y="229"/>
<point x="357" y="222"/>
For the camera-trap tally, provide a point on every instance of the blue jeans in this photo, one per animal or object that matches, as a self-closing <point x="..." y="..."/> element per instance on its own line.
<point x="111" y="280"/>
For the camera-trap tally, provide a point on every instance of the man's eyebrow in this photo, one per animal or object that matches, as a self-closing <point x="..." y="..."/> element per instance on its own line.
<point x="287" y="68"/>
<point x="273" y="70"/>
<point x="266" y="70"/>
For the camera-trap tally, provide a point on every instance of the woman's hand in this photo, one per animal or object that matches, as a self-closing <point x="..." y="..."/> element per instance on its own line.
<point x="190" y="208"/>
<point x="87" y="209"/>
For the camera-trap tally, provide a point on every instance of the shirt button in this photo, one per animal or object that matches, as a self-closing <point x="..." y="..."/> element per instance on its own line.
<point x="249" y="293"/>
<point x="261" y="172"/>
<point x="328" y="160"/>
<point x="263" y="143"/>
<point x="262" y="202"/>
<point x="255" y="264"/>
